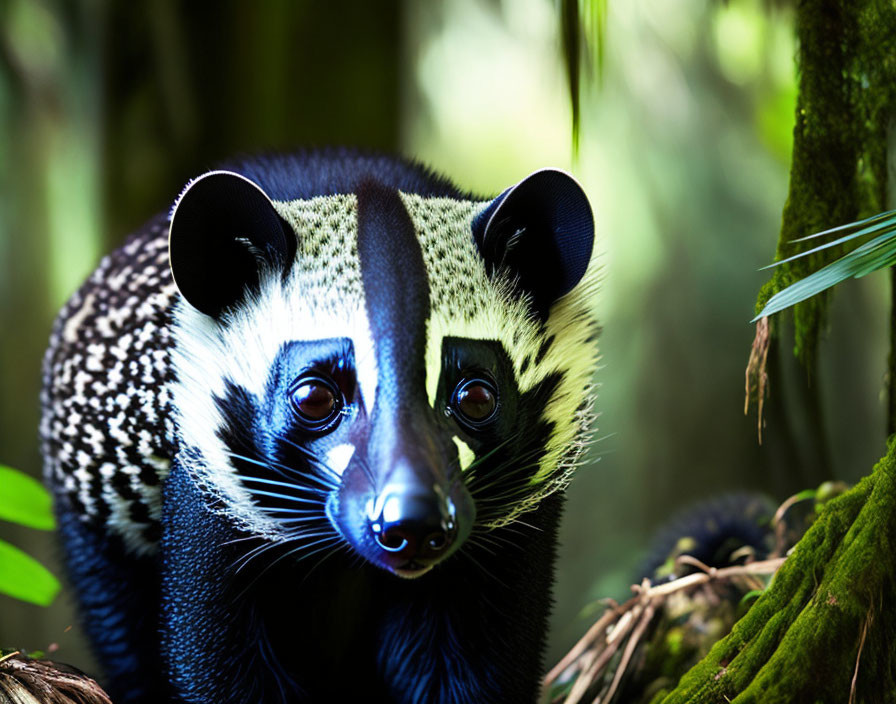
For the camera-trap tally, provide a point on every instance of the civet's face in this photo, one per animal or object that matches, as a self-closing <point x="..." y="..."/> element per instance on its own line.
<point x="389" y="371"/>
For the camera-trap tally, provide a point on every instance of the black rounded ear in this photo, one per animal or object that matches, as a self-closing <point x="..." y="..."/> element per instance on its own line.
<point x="224" y="231"/>
<point x="540" y="230"/>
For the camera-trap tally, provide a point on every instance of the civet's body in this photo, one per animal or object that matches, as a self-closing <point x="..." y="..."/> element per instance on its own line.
<point x="323" y="461"/>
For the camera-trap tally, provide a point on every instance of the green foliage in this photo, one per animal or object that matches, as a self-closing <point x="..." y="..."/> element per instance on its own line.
<point x="877" y="253"/>
<point x="23" y="577"/>
<point x="24" y="501"/>
<point x="750" y="595"/>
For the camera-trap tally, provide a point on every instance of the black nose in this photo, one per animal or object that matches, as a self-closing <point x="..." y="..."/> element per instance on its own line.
<point x="414" y="526"/>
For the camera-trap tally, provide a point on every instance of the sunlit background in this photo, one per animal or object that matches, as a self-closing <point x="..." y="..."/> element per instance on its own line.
<point x="108" y="108"/>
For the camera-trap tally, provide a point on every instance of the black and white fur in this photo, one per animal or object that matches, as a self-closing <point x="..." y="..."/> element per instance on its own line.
<point x="210" y="538"/>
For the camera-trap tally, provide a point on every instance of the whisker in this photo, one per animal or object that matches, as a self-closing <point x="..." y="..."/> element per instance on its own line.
<point x="303" y="511"/>
<point x="242" y="539"/>
<point x="286" y="497"/>
<point x="476" y="542"/>
<point x="244" y="560"/>
<point x="273" y="482"/>
<point x="285" y="471"/>
<point x="313" y="457"/>
<point x="511" y="485"/>
<point x="247" y="557"/>
<point x="484" y="571"/>
<point x="332" y="551"/>
<point x="300" y="519"/>
<point x="310" y="535"/>
<point x="527" y="525"/>
<point x="323" y="542"/>
<point x="481" y="529"/>
<point x="504" y="472"/>
<point x="497" y="540"/>
<point x="285" y="555"/>
<point x="479" y="460"/>
<point x="507" y="475"/>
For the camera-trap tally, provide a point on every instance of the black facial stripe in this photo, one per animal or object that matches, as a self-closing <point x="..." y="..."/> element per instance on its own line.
<point x="543" y="350"/>
<point x="396" y="290"/>
<point x="238" y="411"/>
<point x="258" y="455"/>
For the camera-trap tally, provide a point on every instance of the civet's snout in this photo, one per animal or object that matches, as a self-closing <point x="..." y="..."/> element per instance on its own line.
<point x="414" y="517"/>
<point x="411" y="526"/>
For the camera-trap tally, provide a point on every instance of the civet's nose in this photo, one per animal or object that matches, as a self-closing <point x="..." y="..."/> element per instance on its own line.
<point x="413" y="526"/>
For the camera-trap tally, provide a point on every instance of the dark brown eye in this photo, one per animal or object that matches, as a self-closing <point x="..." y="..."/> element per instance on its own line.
<point x="475" y="402"/>
<point x="316" y="401"/>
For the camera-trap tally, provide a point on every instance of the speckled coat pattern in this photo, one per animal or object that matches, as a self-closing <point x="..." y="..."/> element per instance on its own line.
<point x="108" y="431"/>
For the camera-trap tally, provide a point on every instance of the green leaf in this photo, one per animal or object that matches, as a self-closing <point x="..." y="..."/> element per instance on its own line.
<point x="805" y="494"/>
<point x="887" y="226"/>
<point x="867" y="221"/>
<point x="24" y="500"/>
<point x="753" y="594"/>
<point x="23" y="577"/>
<point x="875" y="254"/>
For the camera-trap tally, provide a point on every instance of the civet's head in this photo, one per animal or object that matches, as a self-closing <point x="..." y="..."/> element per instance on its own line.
<point x="380" y="369"/>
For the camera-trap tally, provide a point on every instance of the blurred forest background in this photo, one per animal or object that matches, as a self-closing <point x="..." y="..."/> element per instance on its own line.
<point x="107" y="109"/>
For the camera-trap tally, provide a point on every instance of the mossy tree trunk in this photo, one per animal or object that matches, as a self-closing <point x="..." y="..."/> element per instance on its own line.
<point x="827" y="616"/>
<point x="824" y="631"/>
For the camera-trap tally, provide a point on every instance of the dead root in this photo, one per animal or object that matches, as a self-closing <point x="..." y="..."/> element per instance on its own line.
<point x="24" y="680"/>
<point x="756" y="374"/>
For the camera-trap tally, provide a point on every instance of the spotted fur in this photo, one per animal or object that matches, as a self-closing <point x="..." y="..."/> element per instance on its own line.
<point x="108" y="429"/>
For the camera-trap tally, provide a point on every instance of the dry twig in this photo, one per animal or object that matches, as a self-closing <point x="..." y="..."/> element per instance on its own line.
<point x="623" y="627"/>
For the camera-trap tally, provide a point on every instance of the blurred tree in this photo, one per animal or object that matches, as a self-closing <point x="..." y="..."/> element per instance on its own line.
<point x="184" y="87"/>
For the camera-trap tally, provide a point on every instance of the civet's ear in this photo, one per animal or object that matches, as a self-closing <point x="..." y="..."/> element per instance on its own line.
<point x="224" y="232"/>
<point x="540" y="231"/>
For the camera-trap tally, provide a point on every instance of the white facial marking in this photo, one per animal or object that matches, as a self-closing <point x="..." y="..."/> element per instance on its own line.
<point x="464" y="454"/>
<point x="365" y="368"/>
<point x="339" y="457"/>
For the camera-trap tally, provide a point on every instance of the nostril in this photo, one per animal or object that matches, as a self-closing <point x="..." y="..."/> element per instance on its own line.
<point x="412" y="525"/>
<point x="391" y="540"/>
<point x="437" y="541"/>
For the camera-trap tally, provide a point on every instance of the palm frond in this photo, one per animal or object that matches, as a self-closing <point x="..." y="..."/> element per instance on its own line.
<point x="876" y="223"/>
<point x="876" y="253"/>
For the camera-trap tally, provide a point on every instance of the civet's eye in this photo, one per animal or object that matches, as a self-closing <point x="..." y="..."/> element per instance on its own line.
<point x="474" y="402"/>
<point x="317" y="402"/>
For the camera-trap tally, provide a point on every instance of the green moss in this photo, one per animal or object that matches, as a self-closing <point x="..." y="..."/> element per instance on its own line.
<point x="800" y="640"/>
